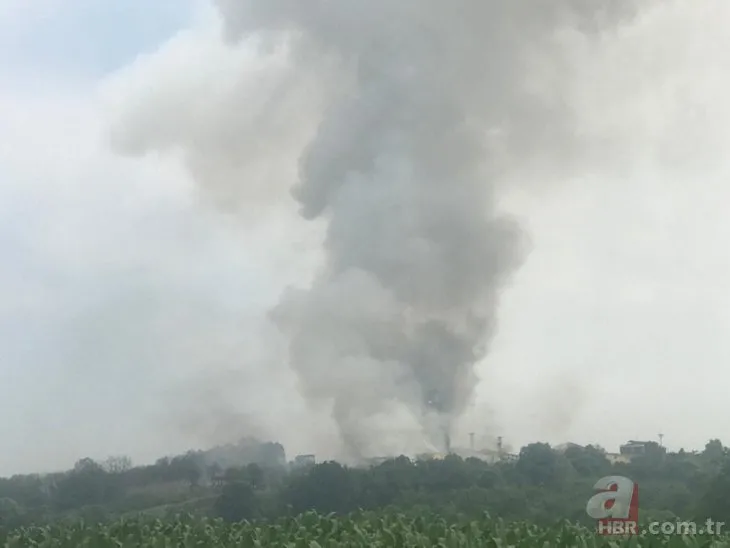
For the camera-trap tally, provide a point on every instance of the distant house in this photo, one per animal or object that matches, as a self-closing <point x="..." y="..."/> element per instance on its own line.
<point x="304" y="460"/>
<point x="563" y="447"/>
<point x="377" y="461"/>
<point x="617" y="458"/>
<point x="491" y="456"/>
<point x="484" y="454"/>
<point x="634" y="448"/>
<point x="431" y="456"/>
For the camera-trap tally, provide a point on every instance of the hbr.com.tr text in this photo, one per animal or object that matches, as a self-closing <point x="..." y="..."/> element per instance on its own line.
<point x="709" y="527"/>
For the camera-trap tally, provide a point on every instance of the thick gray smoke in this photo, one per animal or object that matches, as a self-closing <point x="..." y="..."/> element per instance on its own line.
<point x="409" y="119"/>
<point x="438" y="103"/>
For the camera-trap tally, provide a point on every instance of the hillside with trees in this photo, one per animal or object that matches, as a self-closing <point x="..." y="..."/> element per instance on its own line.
<point x="252" y="480"/>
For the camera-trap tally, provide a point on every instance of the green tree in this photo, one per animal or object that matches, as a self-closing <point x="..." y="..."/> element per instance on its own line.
<point x="539" y="464"/>
<point x="589" y="461"/>
<point x="237" y="502"/>
<point x="327" y="487"/>
<point x="11" y="513"/>
<point x="715" y="502"/>
<point x="87" y="484"/>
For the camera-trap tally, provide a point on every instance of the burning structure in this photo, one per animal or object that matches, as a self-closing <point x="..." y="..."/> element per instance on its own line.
<point x="417" y="113"/>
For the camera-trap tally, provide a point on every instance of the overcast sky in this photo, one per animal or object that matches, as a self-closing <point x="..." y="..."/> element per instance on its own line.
<point x="132" y="307"/>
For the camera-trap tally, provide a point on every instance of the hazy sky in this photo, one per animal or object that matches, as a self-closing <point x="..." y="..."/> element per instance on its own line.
<point x="132" y="307"/>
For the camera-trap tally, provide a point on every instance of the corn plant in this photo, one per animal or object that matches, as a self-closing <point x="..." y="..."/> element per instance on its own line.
<point x="311" y="530"/>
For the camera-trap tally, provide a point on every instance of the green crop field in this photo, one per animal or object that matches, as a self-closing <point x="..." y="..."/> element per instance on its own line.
<point x="371" y="530"/>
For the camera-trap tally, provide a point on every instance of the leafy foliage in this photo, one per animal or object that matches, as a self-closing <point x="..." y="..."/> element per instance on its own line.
<point x="249" y="482"/>
<point x="312" y="530"/>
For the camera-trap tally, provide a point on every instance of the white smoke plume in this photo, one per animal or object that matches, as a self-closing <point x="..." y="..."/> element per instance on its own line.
<point x="407" y="118"/>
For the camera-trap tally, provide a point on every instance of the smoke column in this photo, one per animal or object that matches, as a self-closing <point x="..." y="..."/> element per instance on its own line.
<point x="425" y="112"/>
<point x="436" y="104"/>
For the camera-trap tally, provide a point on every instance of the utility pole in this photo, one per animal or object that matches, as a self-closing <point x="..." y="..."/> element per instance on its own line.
<point x="499" y="445"/>
<point x="471" y="440"/>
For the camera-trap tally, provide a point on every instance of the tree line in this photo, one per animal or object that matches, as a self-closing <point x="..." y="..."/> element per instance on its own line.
<point x="542" y="485"/>
<point x="252" y="481"/>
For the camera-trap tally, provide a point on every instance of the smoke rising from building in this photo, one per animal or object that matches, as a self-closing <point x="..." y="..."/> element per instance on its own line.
<point x="402" y="169"/>
<point x="424" y="110"/>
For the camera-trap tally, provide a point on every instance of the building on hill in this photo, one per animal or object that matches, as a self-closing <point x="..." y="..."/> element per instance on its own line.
<point x="618" y="458"/>
<point x="630" y="449"/>
<point x="431" y="456"/>
<point x="305" y="460"/>
<point x="563" y="447"/>
<point x="377" y="461"/>
<point x="633" y="448"/>
<point x="486" y="455"/>
<point x="474" y="454"/>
